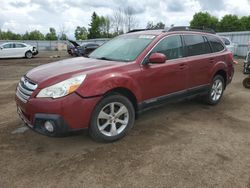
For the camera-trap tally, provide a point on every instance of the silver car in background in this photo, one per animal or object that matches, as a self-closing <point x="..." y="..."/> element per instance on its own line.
<point x="17" y="49"/>
<point x="232" y="47"/>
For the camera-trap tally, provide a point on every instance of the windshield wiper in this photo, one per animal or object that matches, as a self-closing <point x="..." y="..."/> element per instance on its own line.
<point x="104" y="58"/>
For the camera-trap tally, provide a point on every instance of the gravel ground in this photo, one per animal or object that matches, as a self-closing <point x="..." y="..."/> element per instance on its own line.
<point x="188" y="144"/>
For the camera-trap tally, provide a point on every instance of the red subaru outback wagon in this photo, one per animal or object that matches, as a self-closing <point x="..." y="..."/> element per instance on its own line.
<point x="123" y="77"/>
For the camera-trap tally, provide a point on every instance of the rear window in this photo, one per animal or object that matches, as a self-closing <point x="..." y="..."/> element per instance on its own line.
<point x="215" y="43"/>
<point x="196" y="45"/>
<point x="18" y="45"/>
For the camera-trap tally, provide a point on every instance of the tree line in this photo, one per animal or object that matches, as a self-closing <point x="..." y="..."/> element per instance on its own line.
<point x="33" y="35"/>
<point x="227" y="23"/>
<point x="124" y="20"/>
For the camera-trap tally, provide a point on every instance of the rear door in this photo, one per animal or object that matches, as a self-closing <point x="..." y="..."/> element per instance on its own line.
<point x="199" y="60"/>
<point x="159" y="80"/>
<point x="19" y="49"/>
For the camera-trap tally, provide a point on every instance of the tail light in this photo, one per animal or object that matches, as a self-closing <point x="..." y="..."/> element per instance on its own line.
<point x="231" y="58"/>
<point x="235" y="62"/>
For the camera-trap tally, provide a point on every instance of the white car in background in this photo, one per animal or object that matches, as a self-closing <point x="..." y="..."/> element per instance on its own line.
<point x="17" y="49"/>
<point x="232" y="47"/>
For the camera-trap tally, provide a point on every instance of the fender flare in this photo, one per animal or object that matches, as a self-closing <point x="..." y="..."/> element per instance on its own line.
<point x="100" y="86"/>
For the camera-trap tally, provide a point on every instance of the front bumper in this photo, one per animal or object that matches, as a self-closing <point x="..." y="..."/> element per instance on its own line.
<point x="59" y="125"/>
<point x="35" y="52"/>
<point x="68" y="113"/>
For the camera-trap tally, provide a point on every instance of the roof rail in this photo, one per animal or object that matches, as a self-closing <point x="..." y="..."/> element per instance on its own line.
<point x="137" y="30"/>
<point x="188" y="28"/>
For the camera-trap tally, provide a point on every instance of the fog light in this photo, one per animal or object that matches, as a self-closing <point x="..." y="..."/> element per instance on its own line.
<point x="49" y="126"/>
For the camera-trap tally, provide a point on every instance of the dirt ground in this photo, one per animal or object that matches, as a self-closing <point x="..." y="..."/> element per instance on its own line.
<point x="180" y="145"/>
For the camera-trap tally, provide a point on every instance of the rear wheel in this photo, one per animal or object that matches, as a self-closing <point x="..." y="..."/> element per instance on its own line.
<point x="112" y="118"/>
<point x="216" y="90"/>
<point x="246" y="82"/>
<point x="28" y="54"/>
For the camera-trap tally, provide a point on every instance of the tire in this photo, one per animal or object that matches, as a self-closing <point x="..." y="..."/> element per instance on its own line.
<point x="216" y="90"/>
<point x="28" y="55"/>
<point x="108" y="125"/>
<point x="246" y="82"/>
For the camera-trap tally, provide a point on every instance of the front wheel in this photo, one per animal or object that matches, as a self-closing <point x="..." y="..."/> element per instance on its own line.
<point x="112" y="118"/>
<point x="246" y="82"/>
<point x="28" y="55"/>
<point x="216" y="90"/>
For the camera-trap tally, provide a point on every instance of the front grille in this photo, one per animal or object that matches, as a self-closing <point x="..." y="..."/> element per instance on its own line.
<point x="25" y="89"/>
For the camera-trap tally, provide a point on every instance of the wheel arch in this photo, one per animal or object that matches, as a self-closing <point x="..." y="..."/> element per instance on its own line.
<point x="222" y="73"/>
<point x="28" y="50"/>
<point x="126" y="93"/>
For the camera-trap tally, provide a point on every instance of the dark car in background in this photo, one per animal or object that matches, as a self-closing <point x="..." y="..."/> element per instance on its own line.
<point x="84" y="49"/>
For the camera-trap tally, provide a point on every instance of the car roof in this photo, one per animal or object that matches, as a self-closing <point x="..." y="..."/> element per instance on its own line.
<point x="164" y="32"/>
<point x="146" y="32"/>
<point x="14" y="43"/>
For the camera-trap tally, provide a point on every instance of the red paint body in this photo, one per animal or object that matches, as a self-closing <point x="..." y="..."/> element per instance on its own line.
<point x="144" y="81"/>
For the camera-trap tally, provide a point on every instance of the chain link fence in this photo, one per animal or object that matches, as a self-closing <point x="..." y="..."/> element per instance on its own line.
<point x="44" y="45"/>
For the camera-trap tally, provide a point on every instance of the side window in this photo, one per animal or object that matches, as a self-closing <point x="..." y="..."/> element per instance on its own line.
<point x="18" y="45"/>
<point x="9" y="45"/>
<point x="196" y="45"/>
<point x="215" y="43"/>
<point x="170" y="46"/>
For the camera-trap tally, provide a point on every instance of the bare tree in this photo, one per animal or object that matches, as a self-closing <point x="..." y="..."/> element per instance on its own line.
<point x="62" y="33"/>
<point x="118" y="20"/>
<point x="129" y="15"/>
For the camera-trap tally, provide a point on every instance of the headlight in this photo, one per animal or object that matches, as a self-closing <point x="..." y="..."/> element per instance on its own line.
<point x="62" y="88"/>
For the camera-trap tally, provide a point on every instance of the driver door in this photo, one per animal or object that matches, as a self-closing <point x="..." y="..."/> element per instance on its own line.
<point x="159" y="81"/>
<point x="6" y="50"/>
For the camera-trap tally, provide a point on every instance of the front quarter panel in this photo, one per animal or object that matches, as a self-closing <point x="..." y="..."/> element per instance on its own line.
<point x="99" y="84"/>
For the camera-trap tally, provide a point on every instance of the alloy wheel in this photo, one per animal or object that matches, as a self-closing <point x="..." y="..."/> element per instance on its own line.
<point x="113" y="119"/>
<point x="217" y="90"/>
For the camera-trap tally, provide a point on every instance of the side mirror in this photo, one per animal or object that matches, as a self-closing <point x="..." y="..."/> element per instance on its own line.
<point x="1" y="47"/>
<point x="157" y="58"/>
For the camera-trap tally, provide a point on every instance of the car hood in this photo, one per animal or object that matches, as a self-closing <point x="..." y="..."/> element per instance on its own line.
<point x="75" y="44"/>
<point x="58" y="71"/>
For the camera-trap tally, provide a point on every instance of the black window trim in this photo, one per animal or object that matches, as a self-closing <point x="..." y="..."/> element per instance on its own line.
<point x="184" y="46"/>
<point x="205" y="40"/>
<point x="222" y="43"/>
<point x="149" y="52"/>
<point x="212" y="50"/>
<point x="18" y="43"/>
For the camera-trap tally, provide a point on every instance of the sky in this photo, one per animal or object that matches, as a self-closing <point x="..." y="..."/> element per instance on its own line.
<point x="27" y="15"/>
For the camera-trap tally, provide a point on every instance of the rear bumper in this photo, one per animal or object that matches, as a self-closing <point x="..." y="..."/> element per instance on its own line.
<point x="68" y="113"/>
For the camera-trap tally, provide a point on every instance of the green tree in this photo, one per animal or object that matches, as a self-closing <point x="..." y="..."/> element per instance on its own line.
<point x="51" y="35"/>
<point x="81" y="33"/>
<point x="204" y="19"/>
<point x="94" y="30"/>
<point x="36" y="35"/>
<point x="230" y="23"/>
<point x="245" y="23"/>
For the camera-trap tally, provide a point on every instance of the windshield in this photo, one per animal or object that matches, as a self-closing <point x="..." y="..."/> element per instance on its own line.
<point x="124" y="48"/>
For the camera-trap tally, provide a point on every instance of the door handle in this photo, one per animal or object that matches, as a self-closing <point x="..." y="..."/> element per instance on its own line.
<point x="211" y="60"/>
<point x="182" y="66"/>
